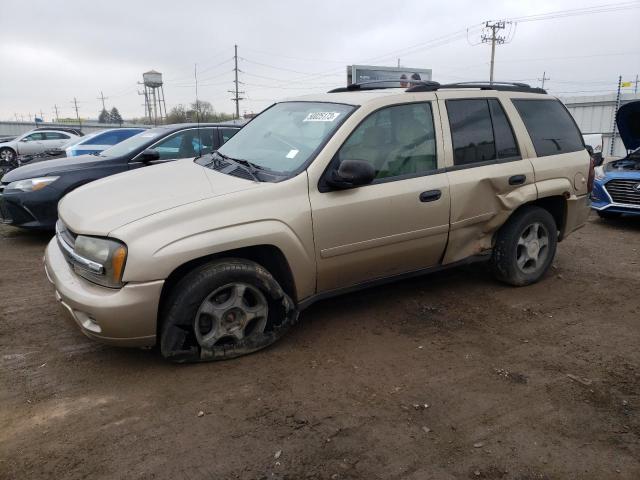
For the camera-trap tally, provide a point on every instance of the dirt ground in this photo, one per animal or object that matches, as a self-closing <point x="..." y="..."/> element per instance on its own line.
<point x="447" y="376"/>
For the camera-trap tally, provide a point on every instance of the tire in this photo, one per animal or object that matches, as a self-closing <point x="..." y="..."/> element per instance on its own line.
<point x="525" y="247"/>
<point x="608" y="215"/>
<point x="224" y="309"/>
<point x="7" y="154"/>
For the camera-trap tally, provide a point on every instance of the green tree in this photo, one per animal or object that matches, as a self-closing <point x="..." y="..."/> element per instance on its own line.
<point x="104" y="117"/>
<point x="115" y="116"/>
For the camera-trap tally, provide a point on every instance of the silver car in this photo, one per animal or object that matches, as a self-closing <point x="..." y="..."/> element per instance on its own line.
<point x="34" y="142"/>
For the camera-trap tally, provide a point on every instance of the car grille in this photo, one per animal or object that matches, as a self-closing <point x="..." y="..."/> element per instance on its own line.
<point x="624" y="191"/>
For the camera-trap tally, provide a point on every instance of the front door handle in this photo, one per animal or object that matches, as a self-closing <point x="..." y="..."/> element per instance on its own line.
<point x="517" y="180"/>
<point x="430" y="196"/>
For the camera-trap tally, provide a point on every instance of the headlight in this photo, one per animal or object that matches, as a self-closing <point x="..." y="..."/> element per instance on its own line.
<point x="108" y="254"/>
<point x="31" y="184"/>
<point x="599" y="173"/>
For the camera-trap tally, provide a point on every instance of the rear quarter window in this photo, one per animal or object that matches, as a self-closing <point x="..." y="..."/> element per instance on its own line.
<point x="550" y="126"/>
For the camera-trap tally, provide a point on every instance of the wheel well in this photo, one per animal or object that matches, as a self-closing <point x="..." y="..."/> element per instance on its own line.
<point x="269" y="256"/>
<point x="556" y="206"/>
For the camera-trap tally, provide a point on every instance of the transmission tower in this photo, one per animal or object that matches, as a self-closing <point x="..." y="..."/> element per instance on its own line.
<point x="237" y="92"/>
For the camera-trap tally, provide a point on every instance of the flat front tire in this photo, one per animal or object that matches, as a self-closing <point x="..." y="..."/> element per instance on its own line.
<point x="224" y="309"/>
<point x="525" y="246"/>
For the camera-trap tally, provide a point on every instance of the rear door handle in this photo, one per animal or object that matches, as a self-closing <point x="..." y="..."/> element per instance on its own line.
<point x="430" y="196"/>
<point x="517" y="180"/>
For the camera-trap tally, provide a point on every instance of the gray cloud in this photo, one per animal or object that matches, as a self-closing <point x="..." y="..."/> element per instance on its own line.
<point x="53" y="51"/>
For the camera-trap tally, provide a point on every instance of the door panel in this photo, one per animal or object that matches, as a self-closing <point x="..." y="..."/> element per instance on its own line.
<point x="400" y="222"/>
<point x="379" y="230"/>
<point x="490" y="174"/>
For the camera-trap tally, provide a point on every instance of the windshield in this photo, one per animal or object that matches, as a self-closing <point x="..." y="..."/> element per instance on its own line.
<point x="133" y="143"/>
<point x="285" y="136"/>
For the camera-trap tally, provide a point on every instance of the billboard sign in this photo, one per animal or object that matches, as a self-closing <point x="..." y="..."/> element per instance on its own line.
<point x="371" y="73"/>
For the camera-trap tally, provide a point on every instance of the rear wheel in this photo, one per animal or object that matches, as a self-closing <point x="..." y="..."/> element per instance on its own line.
<point x="607" y="215"/>
<point x="224" y="309"/>
<point x="525" y="247"/>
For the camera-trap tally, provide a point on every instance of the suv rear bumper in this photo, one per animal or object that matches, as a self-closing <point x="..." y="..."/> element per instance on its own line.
<point x="125" y="317"/>
<point x="578" y="209"/>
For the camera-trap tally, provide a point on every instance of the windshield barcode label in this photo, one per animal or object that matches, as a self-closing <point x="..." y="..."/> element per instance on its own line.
<point x="321" y="117"/>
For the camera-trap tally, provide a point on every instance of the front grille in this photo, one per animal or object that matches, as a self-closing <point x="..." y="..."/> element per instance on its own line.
<point x="624" y="191"/>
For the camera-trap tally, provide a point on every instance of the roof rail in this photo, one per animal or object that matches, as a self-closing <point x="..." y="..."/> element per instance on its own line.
<point x="377" y="85"/>
<point x="482" y="85"/>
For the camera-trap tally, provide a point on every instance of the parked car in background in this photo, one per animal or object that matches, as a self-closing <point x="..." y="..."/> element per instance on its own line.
<point x="99" y="141"/>
<point x="37" y="141"/>
<point x="594" y="144"/>
<point x="617" y="185"/>
<point x="29" y="194"/>
<point x="215" y="257"/>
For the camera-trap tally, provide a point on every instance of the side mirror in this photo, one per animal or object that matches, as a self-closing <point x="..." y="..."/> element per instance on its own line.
<point x="351" y="173"/>
<point x="589" y="149"/>
<point x="25" y="140"/>
<point x="149" y="155"/>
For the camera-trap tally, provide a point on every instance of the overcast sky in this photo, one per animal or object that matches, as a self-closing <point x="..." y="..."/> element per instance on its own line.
<point x="52" y="51"/>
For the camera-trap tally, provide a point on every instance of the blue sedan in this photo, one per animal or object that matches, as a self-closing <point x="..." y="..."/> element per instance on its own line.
<point x="96" y="143"/>
<point x="616" y="189"/>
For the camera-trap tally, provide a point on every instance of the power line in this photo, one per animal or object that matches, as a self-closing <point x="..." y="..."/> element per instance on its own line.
<point x="610" y="7"/>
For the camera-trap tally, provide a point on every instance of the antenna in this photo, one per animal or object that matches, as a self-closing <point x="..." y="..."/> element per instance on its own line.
<point x="195" y="74"/>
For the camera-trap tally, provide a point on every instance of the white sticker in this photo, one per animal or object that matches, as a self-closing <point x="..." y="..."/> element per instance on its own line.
<point x="149" y="135"/>
<point x="292" y="153"/>
<point x="321" y="117"/>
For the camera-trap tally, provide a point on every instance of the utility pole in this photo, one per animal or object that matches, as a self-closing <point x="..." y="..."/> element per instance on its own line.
<point x="544" y="77"/>
<point x="635" y="89"/>
<point x="495" y="39"/>
<point x="41" y="115"/>
<point x="55" y="108"/>
<point x="615" y="114"/>
<point x="75" y="105"/>
<point x="103" y="98"/>
<point x="398" y="63"/>
<point x="236" y="98"/>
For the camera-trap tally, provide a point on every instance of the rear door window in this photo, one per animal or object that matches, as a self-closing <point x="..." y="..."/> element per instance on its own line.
<point x="550" y="126"/>
<point x="480" y="132"/>
<point x="471" y="131"/>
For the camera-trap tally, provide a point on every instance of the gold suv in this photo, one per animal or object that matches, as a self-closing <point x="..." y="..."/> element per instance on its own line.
<point x="215" y="257"/>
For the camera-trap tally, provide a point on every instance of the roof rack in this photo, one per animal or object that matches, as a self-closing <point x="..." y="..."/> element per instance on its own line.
<point x="500" y="86"/>
<point x="378" y="85"/>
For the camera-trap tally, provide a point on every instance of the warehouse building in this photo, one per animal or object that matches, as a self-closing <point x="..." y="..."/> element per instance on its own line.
<point x="594" y="115"/>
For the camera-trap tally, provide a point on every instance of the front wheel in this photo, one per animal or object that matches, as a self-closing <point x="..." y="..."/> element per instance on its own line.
<point x="224" y="309"/>
<point x="525" y="247"/>
<point x="7" y="154"/>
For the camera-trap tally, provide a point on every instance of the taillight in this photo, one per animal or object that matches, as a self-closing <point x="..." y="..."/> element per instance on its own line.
<point x="592" y="174"/>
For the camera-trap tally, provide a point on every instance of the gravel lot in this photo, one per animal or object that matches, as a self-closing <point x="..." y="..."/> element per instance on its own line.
<point x="541" y="382"/>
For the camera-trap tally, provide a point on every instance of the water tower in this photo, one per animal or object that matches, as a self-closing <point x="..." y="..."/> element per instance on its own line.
<point x="154" y="104"/>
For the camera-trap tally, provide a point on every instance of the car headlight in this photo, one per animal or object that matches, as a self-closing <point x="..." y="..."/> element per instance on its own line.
<point x="31" y="184"/>
<point x="107" y="258"/>
<point x="599" y="173"/>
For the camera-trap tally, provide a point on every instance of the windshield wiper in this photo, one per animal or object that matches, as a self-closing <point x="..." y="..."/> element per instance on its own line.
<point x="251" y="168"/>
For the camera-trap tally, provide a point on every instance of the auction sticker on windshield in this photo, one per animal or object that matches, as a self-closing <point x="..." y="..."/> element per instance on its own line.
<point x="321" y="117"/>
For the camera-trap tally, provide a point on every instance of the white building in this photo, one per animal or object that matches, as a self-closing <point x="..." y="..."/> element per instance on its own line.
<point x="594" y="114"/>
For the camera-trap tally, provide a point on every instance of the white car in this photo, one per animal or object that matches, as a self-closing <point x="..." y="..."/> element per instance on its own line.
<point x="34" y="142"/>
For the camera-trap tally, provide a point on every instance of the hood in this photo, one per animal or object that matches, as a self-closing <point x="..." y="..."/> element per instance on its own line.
<point x="100" y="207"/>
<point x="628" y="121"/>
<point x="45" y="168"/>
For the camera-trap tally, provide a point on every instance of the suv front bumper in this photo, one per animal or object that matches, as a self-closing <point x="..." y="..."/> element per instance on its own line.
<point x="124" y="317"/>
